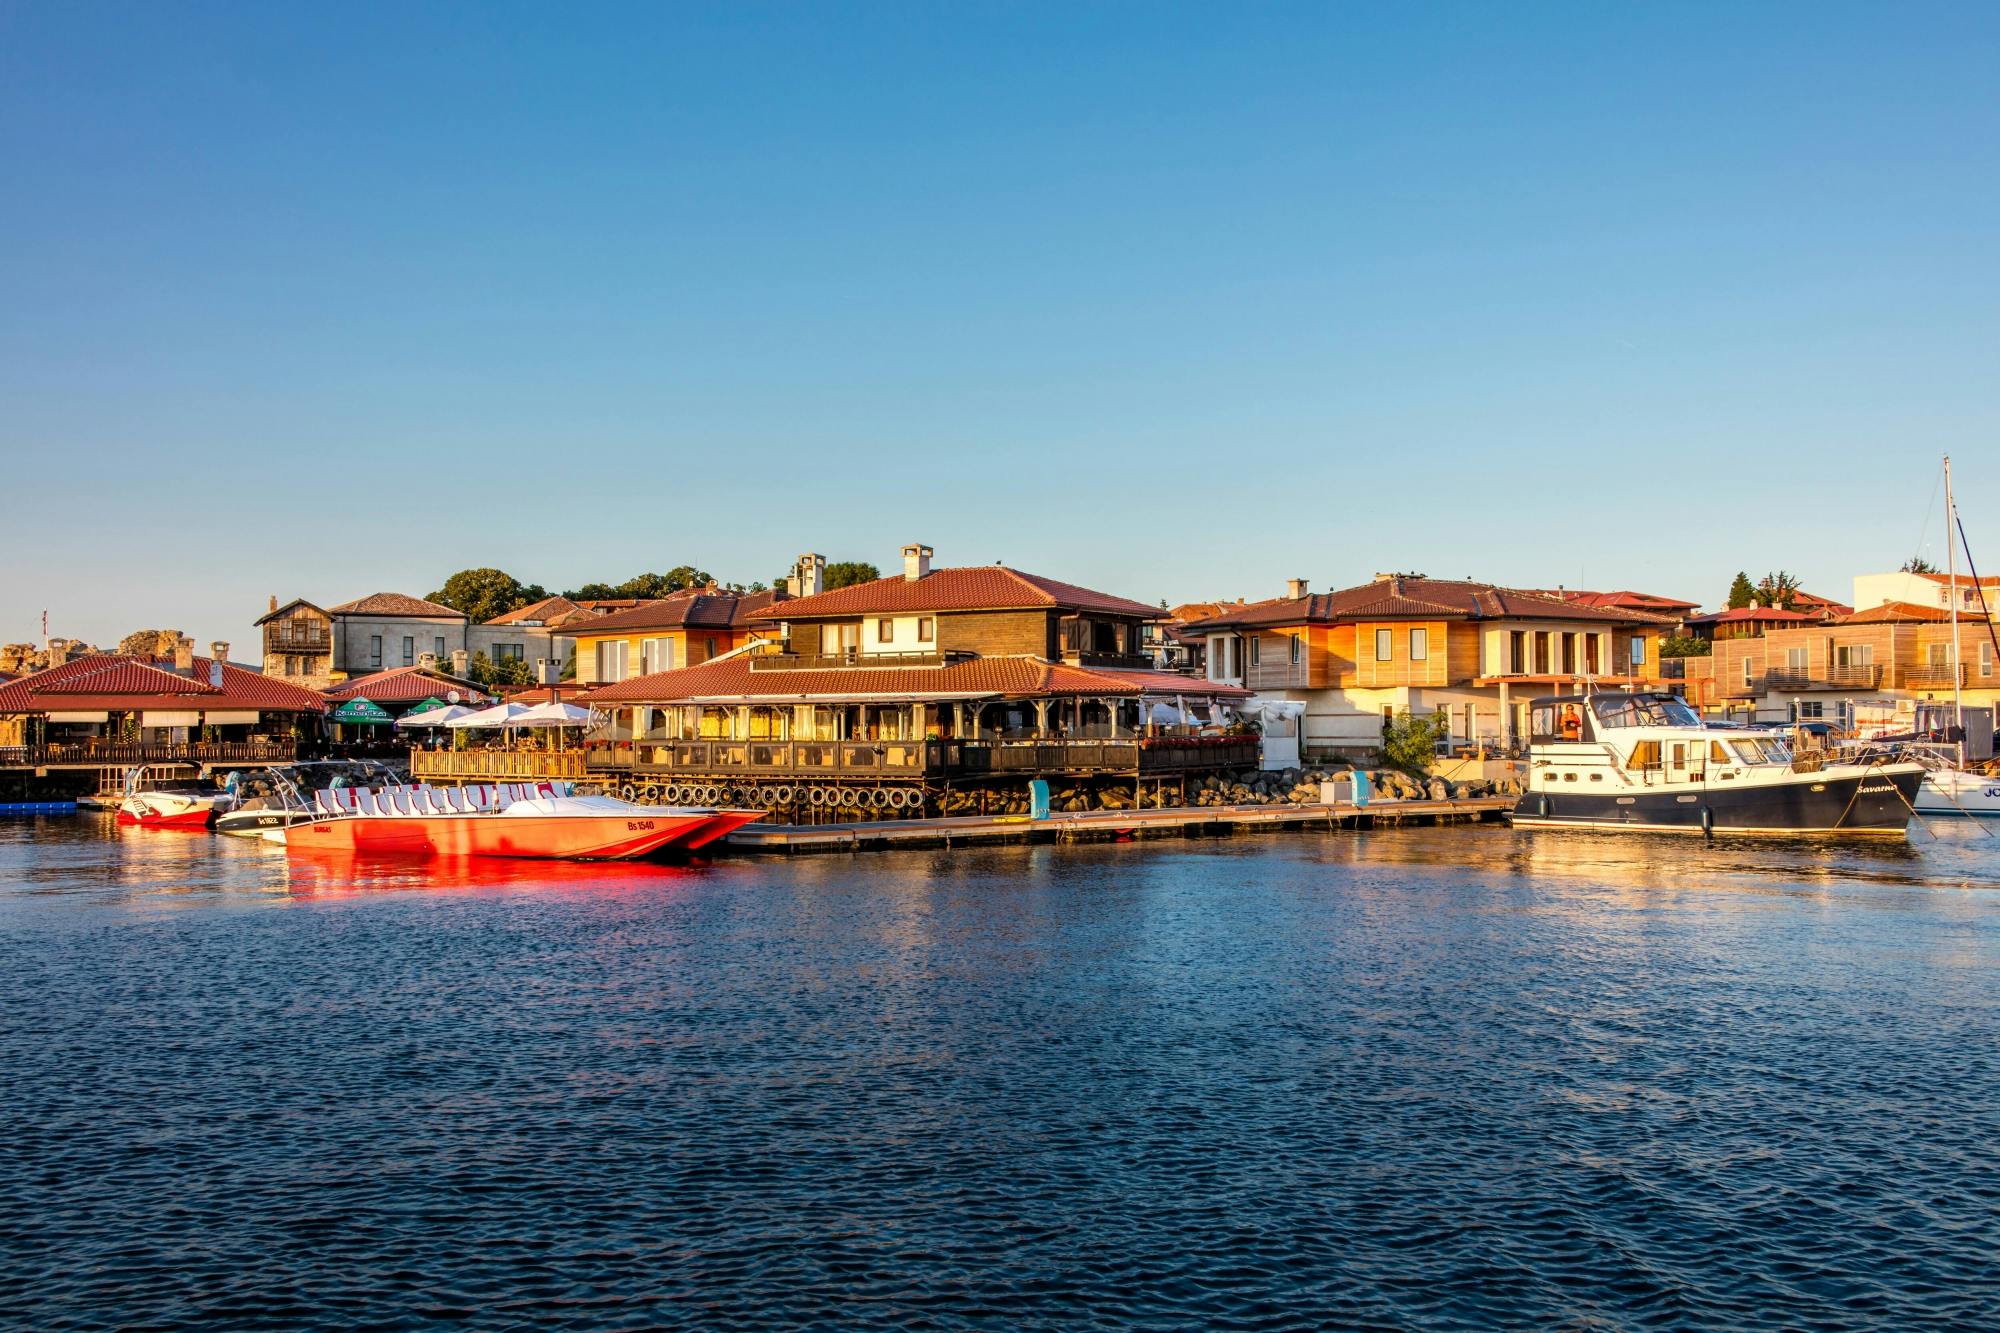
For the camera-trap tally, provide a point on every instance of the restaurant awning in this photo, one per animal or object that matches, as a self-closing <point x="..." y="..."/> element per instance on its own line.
<point x="361" y="712"/>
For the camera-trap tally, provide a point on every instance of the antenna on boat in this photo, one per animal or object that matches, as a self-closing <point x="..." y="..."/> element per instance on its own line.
<point x="1952" y="535"/>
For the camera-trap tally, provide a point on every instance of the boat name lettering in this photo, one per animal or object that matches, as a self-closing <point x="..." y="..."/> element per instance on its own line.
<point x="1877" y="788"/>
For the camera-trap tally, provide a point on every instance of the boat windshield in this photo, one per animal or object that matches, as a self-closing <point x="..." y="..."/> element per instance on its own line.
<point x="1643" y="710"/>
<point x="1761" y="750"/>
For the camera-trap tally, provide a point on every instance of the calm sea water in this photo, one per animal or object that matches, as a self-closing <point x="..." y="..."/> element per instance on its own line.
<point x="1437" y="1079"/>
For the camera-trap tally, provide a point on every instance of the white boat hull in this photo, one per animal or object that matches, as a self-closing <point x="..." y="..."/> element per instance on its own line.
<point x="1952" y="791"/>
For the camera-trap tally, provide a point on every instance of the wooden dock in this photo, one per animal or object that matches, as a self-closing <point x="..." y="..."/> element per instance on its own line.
<point x="1106" y="825"/>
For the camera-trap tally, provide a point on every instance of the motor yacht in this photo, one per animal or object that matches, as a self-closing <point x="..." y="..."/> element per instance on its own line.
<point x="1645" y="760"/>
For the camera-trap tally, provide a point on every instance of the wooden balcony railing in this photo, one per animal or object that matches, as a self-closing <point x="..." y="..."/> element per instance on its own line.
<point x="852" y="658"/>
<point x="930" y="758"/>
<point x="92" y="754"/>
<point x="496" y="765"/>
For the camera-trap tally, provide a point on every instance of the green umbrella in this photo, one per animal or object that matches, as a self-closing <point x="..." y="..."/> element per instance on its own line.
<point x="361" y="712"/>
<point x="428" y="706"/>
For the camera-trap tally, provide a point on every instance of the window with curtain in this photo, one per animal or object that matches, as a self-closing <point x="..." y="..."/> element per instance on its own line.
<point x="1385" y="645"/>
<point x="1420" y="645"/>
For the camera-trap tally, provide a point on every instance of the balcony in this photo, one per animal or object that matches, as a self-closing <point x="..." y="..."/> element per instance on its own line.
<point x="911" y="759"/>
<point x="95" y="754"/>
<point x="851" y="658"/>
<point x="287" y="638"/>
<point x="495" y="765"/>
<point x="1938" y="676"/>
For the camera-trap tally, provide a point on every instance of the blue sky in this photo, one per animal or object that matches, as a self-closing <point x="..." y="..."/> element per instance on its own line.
<point x="1176" y="302"/>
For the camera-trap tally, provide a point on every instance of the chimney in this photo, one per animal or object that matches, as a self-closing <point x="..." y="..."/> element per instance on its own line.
<point x="1383" y="578"/>
<point x="461" y="662"/>
<point x="1395" y="585"/>
<point x="219" y="651"/>
<point x="810" y="580"/>
<point x="428" y="661"/>
<point x="916" y="562"/>
<point x="274" y="601"/>
<point x="1295" y="588"/>
<point x="184" y="656"/>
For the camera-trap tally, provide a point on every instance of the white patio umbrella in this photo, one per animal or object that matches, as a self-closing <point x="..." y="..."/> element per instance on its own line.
<point x="553" y="714"/>
<point x="436" y="717"/>
<point x="499" y="715"/>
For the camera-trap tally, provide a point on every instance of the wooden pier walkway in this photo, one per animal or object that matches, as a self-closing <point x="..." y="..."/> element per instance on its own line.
<point x="1106" y="825"/>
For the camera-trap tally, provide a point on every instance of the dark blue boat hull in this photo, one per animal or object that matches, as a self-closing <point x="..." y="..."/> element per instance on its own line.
<point x="1867" y="803"/>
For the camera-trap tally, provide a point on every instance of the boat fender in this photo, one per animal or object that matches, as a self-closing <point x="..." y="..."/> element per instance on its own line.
<point x="781" y="795"/>
<point x="1542" y="806"/>
<point x="671" y="793"/>
<point x="1707" y="820"/>
<point x="878" y="798"/>
<point x="816" y="796"/>
<point x="628" y="791"/>
<point x="710" y="795"/>
<point x="849" y="797"/>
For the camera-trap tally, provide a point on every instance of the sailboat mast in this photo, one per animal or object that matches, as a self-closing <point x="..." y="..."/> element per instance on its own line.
<point x="1951" y="563"/>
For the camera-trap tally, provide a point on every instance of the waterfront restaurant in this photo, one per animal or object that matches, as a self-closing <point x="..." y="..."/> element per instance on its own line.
<point x="767" y="726"/>
<point x="901" y="689"/>
<point x="115" y="708"/>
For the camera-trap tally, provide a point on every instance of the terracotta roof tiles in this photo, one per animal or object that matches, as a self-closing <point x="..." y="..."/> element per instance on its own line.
<point x="985" y="677"/>
<point x="719" y="609"/>
<point x="966" y="588"/>
<point x="1417" y="599"/>
<point x="405" y="685"/>
<point x="394" y="604"/>
<point x="117" y="682"/>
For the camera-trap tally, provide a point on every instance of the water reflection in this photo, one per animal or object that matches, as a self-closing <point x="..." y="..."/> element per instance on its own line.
<point x="1452" y="1078"/>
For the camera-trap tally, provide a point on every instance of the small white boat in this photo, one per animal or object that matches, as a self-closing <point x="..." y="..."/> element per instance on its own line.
<point x="1953" y="791"/>
<point x="188" y="804"/>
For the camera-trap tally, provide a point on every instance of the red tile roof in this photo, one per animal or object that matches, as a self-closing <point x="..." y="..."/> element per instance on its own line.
<point x="548" y="611"/>
<point x="985" y="677"/>
<point x="1752" y="614"/>
<point x="1417" y="599"/>
<point x="968" y="588"/>
<point x="1964" y="580"/>
<point x="1893" y="612"/>
<point x="118" y="682"/>
<point x="394" y="604"/>
<point x="1624" y="600"/>
<point x="406" y="685"/>
<point x="719" y="609"/>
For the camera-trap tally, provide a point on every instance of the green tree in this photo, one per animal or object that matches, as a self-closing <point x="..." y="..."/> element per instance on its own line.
<point x="1742" y="592"/>
<point x="485" y="593"/>
<point x="847" y="573"/>
<point x="513" y="671"/>
<point x="1777" y="589"/>
<point x="1684" y="645"/>
<point x="1410" y="742"/>
<point x="648" y="587"/>
<point x="1916" y="564"/>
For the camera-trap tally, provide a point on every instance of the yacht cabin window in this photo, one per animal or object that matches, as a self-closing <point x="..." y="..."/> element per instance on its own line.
<point x="1642" y="710"/>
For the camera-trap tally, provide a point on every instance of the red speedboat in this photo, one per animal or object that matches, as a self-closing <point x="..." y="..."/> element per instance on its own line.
<point x="513" y="819"/>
